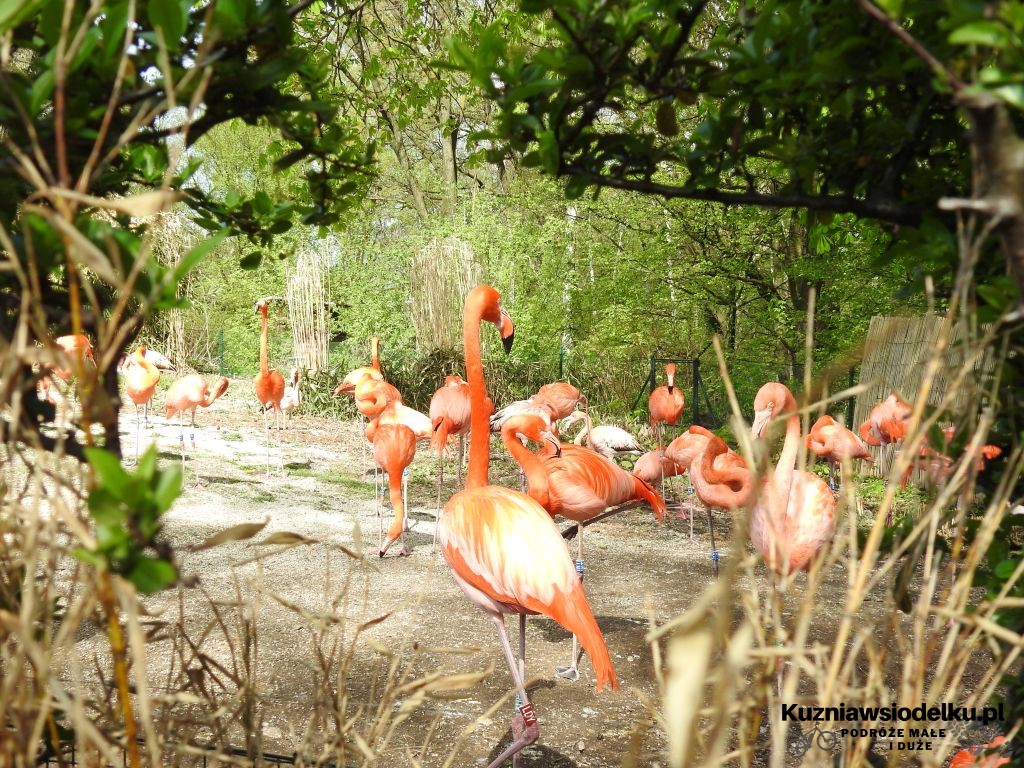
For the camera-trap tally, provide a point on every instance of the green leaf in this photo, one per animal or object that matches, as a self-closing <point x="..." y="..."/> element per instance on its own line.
<point x="251" y="261"/>
<point x="1005" y="569"/>
<point x="980" y="32"/>
<point x="42" y="88"/>
<point x="193" y="257"/>
<point x="109" y="472"/>
<point x="168" y="488"/>
<point x="171" y="18"/>
<point x="152" y="574"/>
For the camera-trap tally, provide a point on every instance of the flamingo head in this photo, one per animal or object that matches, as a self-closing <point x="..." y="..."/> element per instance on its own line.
<point x="453" y="381"/>
<point x="261" y="306"/>
<point x="773" y="399"/>
<point x="533" y="428"/>
<point x="485" y="300"/>
<point x="670" y="375"/>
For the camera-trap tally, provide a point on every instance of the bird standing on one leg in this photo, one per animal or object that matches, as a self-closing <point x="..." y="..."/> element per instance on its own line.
<point x="503" y="549"/>
<point x="269" y="384"/>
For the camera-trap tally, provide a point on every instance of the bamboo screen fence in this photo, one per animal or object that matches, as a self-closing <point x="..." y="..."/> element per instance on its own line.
<point x="441" y="274"/>
<point x="307" y="294"/>
<point x="895" y="354"/>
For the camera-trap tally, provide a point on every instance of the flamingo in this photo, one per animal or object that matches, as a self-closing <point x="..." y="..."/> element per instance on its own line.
<point x="939" y="465"/>
<point x="160" y="361"/>
<point x="397" y="414"/>
<point x="606" y="439"/>
<point x="885" y="426"/>
<point x="140" y="384"/>
<point x="665" y="404"/>
<point x="794" y="516"/>
<point x="78" y="347"/>
<point x="573" y="482"/>
<point x="356" y="375"/>
<point x="394" y="447"/>
<point x="519" y="407"/>
<point x="373" y="396"/>
<point x="655" y="465"/>
<point x="561" y="396"/>
<point x="450" y="415"/>
<point x="976" y="757"/>
<point x="292" y="397"/>
<point x="503" y="548"/>
<point x="269" y="384"/>
<point x="830" y="440"/>
<point x="721" y="487"/>
<point x="187" y="394"/>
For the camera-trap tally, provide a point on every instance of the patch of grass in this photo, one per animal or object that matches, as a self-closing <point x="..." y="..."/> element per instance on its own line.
<point x="909" y="501"/>
<point x="262" y="495"/>
<point x="339" y="479"/>
<point x="231" y="436"/>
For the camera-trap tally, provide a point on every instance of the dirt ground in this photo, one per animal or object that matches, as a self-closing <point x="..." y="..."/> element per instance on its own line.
<point x="321" y="487"/>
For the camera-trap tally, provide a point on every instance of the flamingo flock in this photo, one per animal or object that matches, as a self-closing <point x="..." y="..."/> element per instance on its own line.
<point x="501" y="545"/>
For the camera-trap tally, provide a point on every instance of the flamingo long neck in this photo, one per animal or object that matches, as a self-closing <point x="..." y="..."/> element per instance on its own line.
<point x="264" y="364"/>
<point x="719" y="488"/>
<point x="479" y="424"/>
<point x="786" y="467"/>
<point x="531" y="464"/>
<point x="375" y="354"/>
<point x="584" y="434"/>
<point x="148" y="367"/>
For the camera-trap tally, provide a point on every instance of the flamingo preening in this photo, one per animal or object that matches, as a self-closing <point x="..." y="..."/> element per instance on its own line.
<point x="831" y="441"/>
<point x="574" y="482"/>
<point x="665" y="404"/>
<point x="450" y="410"/>
<point x="794" y="516"/>
<point x="140" y="384"/>
<point x="356" y="375"/>
<point x="269" y="384"/>
<point x="503" y="548"/>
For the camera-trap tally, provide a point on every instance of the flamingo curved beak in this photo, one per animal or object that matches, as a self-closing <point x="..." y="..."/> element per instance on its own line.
<point x="760" y="421"/>
<point x="507" y="330"/>
<point x="554" y="441"/>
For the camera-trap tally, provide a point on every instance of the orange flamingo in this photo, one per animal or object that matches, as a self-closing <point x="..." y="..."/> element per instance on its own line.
<point x="77" y="347"/>
<point x="140" y="384"/>
<point x="373" y="396"/>
<point x="187" y="394"/>
<point x="665" y="404"/>
<point x="794" y="516"/>
<point x="269" y="384"/>
<point x="653" y="466"/>
<point x="722" y="485"/>
<point x="356" y="375"/>
<point x="939" y="465"/>
<point x="831" y="441"/>
<point x="503" y="548"/>
<point x="573" y="482"/>
<point x="561" y="396"/>
<point x="450" y="415"/>
<point x="885" y="426"/>
<point x="980" y="756"/>
<point x="394" y="448"/>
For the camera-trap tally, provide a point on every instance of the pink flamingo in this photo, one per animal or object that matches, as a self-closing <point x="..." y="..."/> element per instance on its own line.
<point x="502" y="547"/>
<point x="794" y="516"/>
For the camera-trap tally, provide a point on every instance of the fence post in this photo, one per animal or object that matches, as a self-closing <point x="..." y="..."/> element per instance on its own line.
<point x="696" y="390"/>
<point x="849" y="404"/>
<point x="652" y="376"/>
<point x="220" y="352"/>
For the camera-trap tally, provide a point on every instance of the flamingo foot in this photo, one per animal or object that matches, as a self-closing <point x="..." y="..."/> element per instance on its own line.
<point x="568" y="673"/>
<point x="523" y="735"/>
<point x="682" y="514"/>
<point x="402" y="551"/>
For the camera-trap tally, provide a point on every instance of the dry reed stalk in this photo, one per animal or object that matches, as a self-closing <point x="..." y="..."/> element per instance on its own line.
<point x="440" y="276"/>
<point x="308" y="297"/>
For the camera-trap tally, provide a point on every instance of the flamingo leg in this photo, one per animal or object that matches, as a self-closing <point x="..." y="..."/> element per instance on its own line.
<point x="525" y="730"/>
<point x="181" y="440"/>
<point x="462" y="458"/>
<point x="266" y="430"/>
<point x="571" y="672"/>
<point x="192" y="429"/>
<point x="714" y="549"/>
<point x="405" y="500"/>
<point x="145" y="412"/>
<point x="437" y="512"/>
<point x="137" y="434"/>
